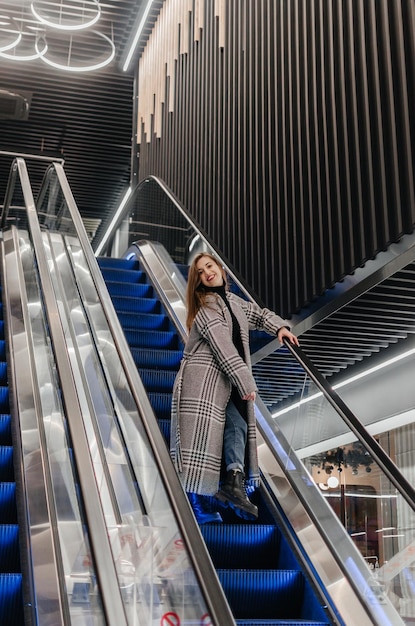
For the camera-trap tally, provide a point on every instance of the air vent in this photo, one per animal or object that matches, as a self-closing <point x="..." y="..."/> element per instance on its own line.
<point x="14" y="105"/>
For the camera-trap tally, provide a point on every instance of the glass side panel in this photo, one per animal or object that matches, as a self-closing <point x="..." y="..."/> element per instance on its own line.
<point x="376" y="516"/>
<point x="153" y="565"/>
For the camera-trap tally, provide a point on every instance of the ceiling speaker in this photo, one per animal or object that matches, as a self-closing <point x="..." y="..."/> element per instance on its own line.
<point x="14" y="105"/>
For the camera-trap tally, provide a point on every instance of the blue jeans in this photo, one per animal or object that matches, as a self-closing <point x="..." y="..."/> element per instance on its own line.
<point x="234" y="438"/>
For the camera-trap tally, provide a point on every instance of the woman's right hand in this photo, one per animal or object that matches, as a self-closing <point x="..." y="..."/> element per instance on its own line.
<point x="250" y="396"/>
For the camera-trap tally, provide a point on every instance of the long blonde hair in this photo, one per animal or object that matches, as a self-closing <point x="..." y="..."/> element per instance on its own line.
<point x="195" y="293"/>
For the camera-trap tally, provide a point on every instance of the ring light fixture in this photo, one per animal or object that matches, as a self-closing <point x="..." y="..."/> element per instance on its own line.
<point x="8" y="25"/>
<point x="98" y="64"/>
<point x="40" y="51"/>
<point x="77" y="24"/>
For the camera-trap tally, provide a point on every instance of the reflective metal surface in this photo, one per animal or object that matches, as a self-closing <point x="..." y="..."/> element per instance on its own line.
<point x="146" y="554"/>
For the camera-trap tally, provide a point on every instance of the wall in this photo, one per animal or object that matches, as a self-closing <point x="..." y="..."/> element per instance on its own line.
<point x="286" y="128"/>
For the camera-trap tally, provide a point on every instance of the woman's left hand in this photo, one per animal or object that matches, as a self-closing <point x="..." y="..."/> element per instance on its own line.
<point x="285" y="332"/>
<point x="250" y="396"/>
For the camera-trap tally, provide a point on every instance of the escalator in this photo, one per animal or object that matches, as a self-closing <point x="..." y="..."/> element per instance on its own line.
<point x="11" y="594"/>
<point x="255" y="563"/>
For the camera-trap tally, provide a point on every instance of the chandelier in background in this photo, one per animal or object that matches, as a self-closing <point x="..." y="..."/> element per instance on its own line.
<point x="59" y="33"/>
<point x="353" y="456"/>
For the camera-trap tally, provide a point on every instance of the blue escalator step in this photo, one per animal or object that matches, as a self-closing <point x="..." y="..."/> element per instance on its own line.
<point x="280" y="622"/>
<point x="9" y="548"/>
<point x="153" y="321"/>
<point x="8" y="513"/>
<point x="139" y="290"/>
<point x="164" y="425"/>
<point x="151" y="339"/>
<point x="125" y="304"/>
<point x="183" y="269"/>
<point x="3" y="373"/>
<point x="157" y="380"/>
<point x="4" y="399"/>
<point x="2" y="350"/>
<point x="6" y="464"/>
<point x="5" y="429"/>
<point x="256" y="544"/>
<point x="257" y="593"/>
<point x="165" y="359"/>
<point x="128" y="264"/>
<point x="123" y="275"/>
<point x="11" y="600"/>
<point x="161" y="403"/>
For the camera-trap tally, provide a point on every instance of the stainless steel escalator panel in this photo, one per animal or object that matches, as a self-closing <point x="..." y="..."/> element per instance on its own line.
<point x="60" y="551"/>
<point x="152" y="524"/>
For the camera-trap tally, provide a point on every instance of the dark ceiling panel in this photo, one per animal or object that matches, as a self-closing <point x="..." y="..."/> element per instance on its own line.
<point x="84" y="117"/>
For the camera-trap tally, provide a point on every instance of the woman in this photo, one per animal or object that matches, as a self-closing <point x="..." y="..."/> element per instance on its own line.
<point x="213" y="420"/>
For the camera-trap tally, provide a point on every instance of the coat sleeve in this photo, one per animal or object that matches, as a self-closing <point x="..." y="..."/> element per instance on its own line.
<point x="211" y="324"/>
<point x="261" y="319"/>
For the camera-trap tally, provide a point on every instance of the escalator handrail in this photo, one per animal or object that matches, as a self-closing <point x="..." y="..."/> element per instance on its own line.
<point x="375" y="450"/>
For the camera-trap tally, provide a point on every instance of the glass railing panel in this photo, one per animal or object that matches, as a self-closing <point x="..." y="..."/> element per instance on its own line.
<point x="377" y="518"/>
<point x="155" y="569"/>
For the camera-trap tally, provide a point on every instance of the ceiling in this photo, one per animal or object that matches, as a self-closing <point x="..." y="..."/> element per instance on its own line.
<point x="83" y="117"/>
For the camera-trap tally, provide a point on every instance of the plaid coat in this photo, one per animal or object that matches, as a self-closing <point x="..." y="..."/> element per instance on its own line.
<point x="210" y="367"/>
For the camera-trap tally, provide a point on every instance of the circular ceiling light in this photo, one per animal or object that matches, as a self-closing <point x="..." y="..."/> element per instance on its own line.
<point x="75" y="15"/>
<point x="9" y="28"/>
<point x="25" y="51"/>
<point x="77" y="59"/>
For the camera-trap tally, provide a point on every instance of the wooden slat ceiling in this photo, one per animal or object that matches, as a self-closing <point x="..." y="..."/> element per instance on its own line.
<point x="83" y="117"/>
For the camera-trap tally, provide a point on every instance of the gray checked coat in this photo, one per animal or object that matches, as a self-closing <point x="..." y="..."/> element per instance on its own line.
<point x="210" y="367"/>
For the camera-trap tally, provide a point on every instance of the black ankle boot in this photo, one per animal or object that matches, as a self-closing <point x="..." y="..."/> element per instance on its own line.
<point x="202" y="514"/>
<point x="233" y="494"/>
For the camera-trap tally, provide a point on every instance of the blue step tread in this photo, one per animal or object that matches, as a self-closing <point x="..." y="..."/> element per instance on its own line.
<point x="165" y="359"/>
<point x="151" y="339"/>
<point x="3" y="373"/>
<point x="123" y="275"/>
<point x="256" y="593"/>
<point x="118" y="288"/>
<point x="112" y="262"/>
<point x="6" y="464"/>
<point x="5" y="429"/>
<point x="161" y="403"/>
<point x="256" y="544"/>
<point x="9" y="548"/>
<point x="279" y="622"/>
<point x="4" y="399"/>
<point x="11" y="600"/>
<point x="157" y="380"/>
<point x="8" y="514"/>
<point x="127" y="304"/>
<point x="139" y="321"/>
